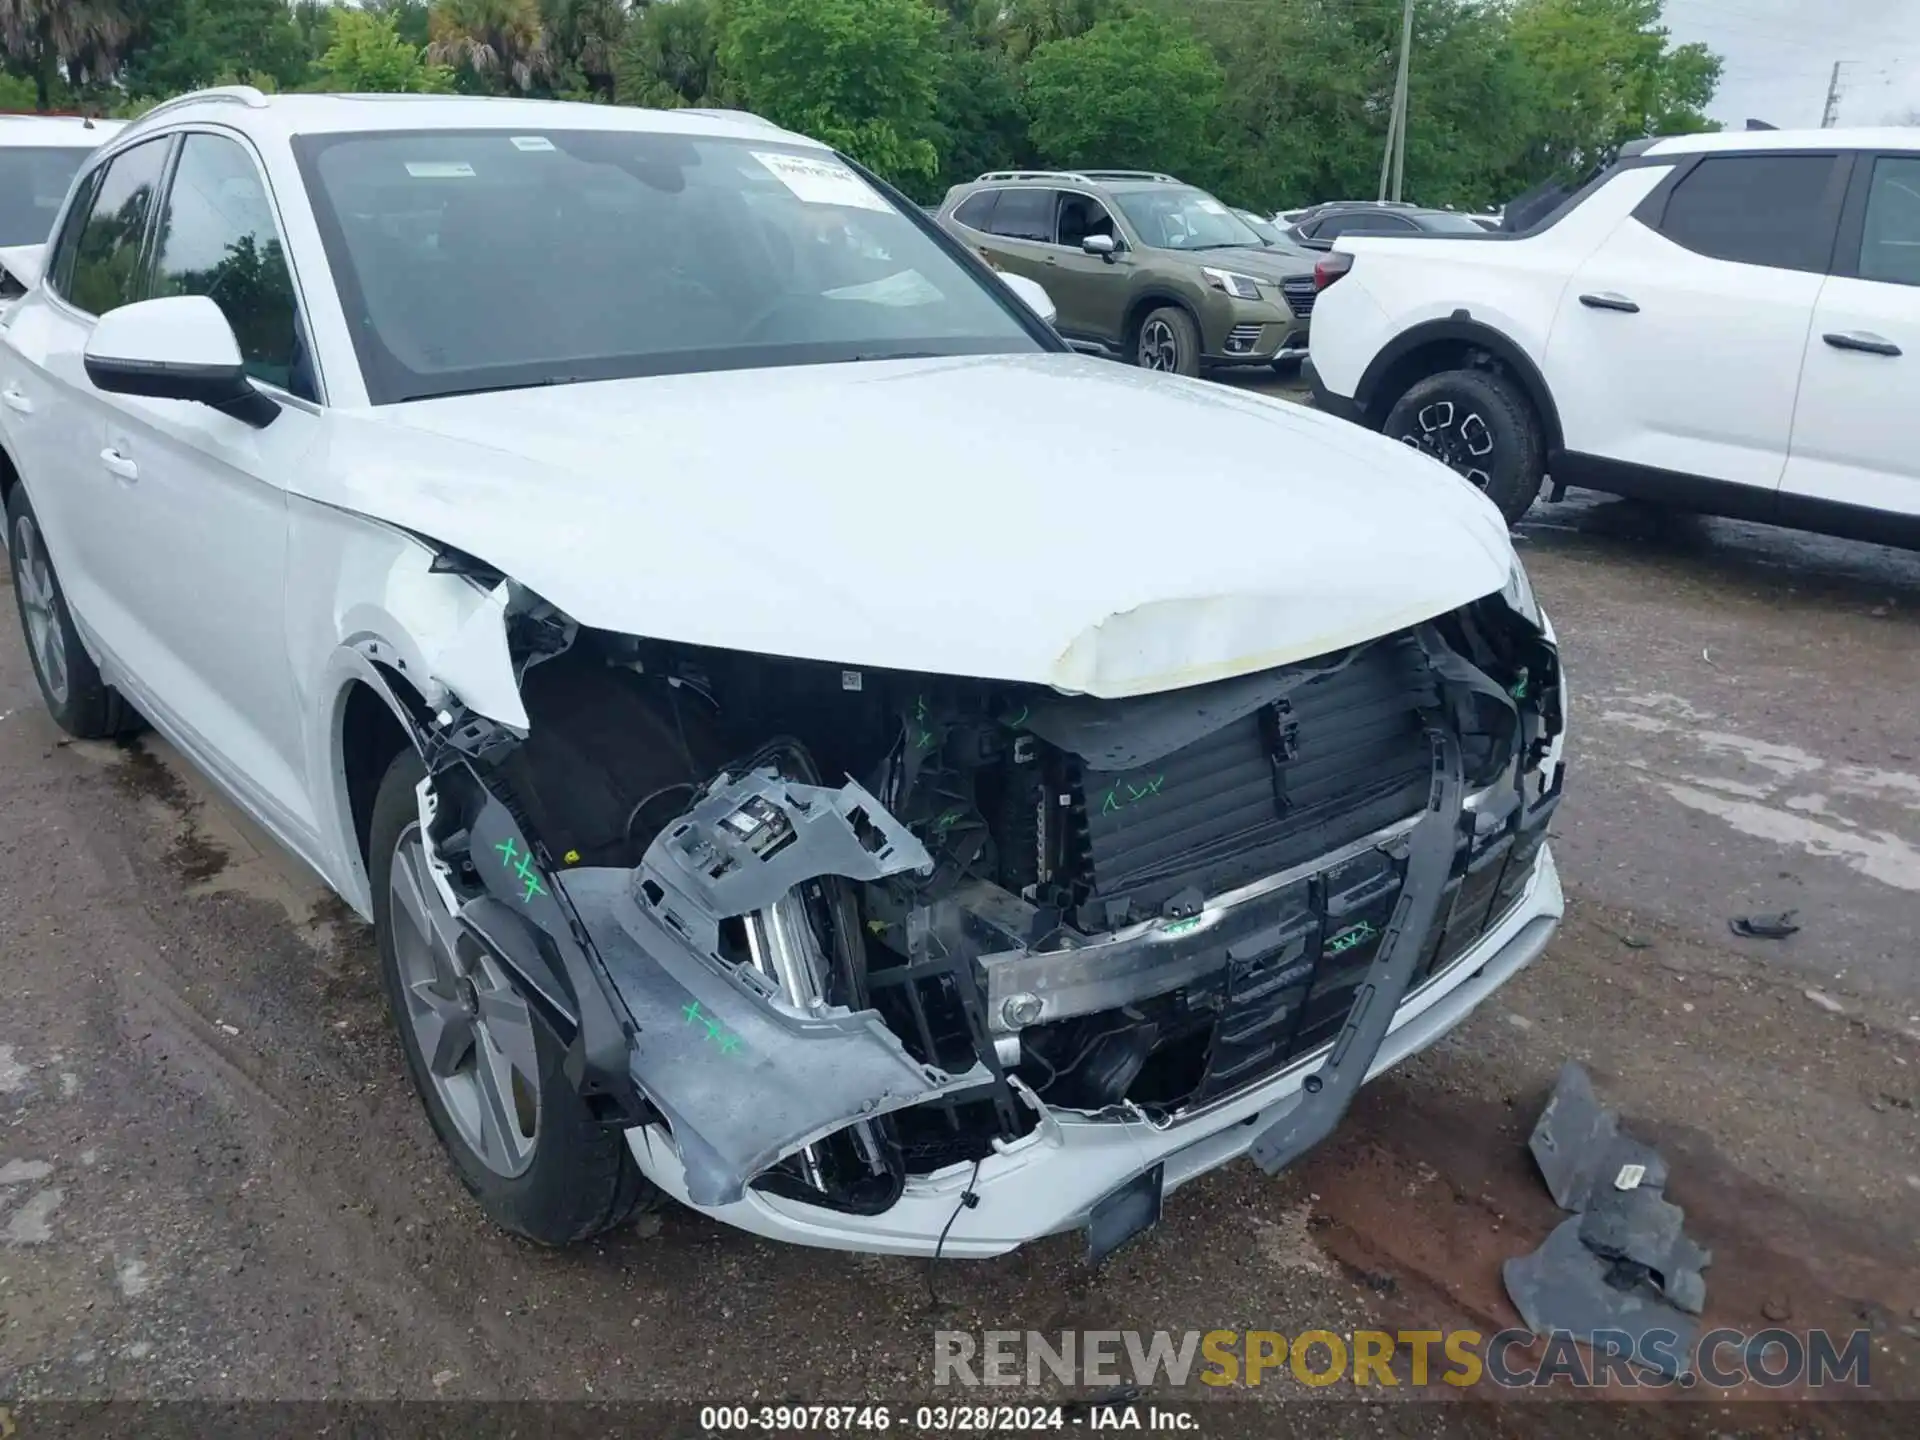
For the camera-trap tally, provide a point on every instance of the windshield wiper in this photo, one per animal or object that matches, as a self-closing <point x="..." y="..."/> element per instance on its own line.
<point x="1227" y="245"/>
<point x="539" y="384"/>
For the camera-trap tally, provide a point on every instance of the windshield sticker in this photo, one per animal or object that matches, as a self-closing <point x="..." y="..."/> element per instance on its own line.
<point x="1211" y="206"/>
<point x="532" y="142"/>
<point x="439" y="169"/>
<point x="820" y="182"/>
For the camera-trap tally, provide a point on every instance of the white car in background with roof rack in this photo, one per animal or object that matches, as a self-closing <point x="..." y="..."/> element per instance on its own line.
<point x="39" y="156"/>
<point x="733" y="652"/>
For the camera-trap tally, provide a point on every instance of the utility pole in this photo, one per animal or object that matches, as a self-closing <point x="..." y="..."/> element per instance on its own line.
<point x="1395" y="161"/>
<point x="1832" y="112"/>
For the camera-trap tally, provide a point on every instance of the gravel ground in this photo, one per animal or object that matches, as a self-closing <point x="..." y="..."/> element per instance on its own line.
<point x="216" y="1183"/>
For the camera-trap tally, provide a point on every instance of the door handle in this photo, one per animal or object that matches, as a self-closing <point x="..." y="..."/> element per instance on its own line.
<point x="1610" y="300"/>
<point x="119" y="464"/>
<point x="16" y="401"/>
<point x="1865" y="341"/>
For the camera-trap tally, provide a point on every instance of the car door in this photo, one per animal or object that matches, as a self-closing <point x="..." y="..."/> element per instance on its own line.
<point x="1089" y="291"/>
<point x="55" y="416"/>
<point x="195" y="508"/>
<point x="1861" y="373"/>
<point x="1677" y="345"/>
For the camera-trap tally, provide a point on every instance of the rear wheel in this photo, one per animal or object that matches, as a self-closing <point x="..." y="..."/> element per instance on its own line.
<point x="81" y="703"/>
<point x="1168" y="341"/>
<point x="1482" y="426"/>
<point x="487" y="1064"/>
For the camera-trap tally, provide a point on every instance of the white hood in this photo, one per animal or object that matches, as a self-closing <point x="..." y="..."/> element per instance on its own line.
<point x="1051" y="519"/>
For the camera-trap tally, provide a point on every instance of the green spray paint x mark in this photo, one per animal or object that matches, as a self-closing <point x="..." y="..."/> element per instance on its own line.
<point x="1348" y="938"/>
<point x="716" y="1032"/>
<point x="1135" y="794"/>
<point x="510" y="853"/>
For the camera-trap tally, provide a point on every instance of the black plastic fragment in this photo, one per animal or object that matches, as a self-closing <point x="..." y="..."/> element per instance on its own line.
<point x="1766" y="927"/>
<point x="1564" y="1286"/>
<point x="1133" y="1208"/>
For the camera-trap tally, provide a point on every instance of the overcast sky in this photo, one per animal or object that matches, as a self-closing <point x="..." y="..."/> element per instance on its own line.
<point x="1779" y="56"/>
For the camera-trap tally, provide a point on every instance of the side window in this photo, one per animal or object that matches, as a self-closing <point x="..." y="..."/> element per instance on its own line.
<point x="60" y="262"/>
<point x="106" y="260"/>
<point x="1025" y="215"/>
<point x="1364" y="224"/>
<point x="976" y="211"/>
<point x="1773" y="210"/>
<point x="1890" y="239"/>
<point x="217" y="238"/>
<point x="1081" y="216"/>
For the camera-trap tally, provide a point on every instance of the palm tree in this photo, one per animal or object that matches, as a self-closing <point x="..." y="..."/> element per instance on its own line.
<point x="43" y="36"/>
<point x="491" y="37"/>
<point x="587" y="35"/>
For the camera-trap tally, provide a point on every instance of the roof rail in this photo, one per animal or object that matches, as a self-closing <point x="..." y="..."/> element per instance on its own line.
<point x="721" y="112"/>
<point x="228" y="94"/>
<point x="1160" y="175"/>
<point x="1084" y="177"/>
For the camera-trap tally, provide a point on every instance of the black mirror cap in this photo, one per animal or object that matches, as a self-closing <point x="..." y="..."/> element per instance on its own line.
<point x="223" y="387"/>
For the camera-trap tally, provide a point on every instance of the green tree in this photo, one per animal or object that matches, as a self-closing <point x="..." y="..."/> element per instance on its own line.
<point x="495" y="44"/>
<point x="584" y="37"/>
<point x="186" y="44"/>
<point x="671" y="56"/>
<point x="367" y="54"/>
<point x="858" y="74"/>
<point x="1601" y="72"/>
<point x="1137" y="92"/>
<point x="411" y="18"/>
<point x="47" y="40"/>
<point x="977" y="120"/>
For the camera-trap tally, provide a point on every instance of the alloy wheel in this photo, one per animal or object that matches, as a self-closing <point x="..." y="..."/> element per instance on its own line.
<point x="39" y="605"/>
<point x="473" y="1029"/>
<point x="1159" y="347"/>
<point x="1457" y="437"/>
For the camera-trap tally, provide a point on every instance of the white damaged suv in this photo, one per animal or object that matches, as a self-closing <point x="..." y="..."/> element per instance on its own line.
<point x="803" y="737"/>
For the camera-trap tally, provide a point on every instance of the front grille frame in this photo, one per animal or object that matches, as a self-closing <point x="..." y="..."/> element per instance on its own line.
<point x="1300" y="291"/>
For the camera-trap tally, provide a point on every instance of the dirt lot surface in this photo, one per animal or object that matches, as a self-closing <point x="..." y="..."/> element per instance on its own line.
<point x="215" y="1180"/>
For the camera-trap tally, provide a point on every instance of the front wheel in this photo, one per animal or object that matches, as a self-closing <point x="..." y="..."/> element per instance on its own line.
<point x="1168" y="341"/>
<point x="488" y="1066"/>
<point x="1482" y="426"/>
<point x="80" y="702"/>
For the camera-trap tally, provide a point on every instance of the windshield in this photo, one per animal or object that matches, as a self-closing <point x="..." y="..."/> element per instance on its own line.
<point x="483" y="260"/>
<point x="32" y="185"/>
<point x="1268" y="234"/>
<point x="1184" y="219"/>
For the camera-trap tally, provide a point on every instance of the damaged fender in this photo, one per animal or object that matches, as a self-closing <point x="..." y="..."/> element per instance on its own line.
<point x="740" y="1079"/>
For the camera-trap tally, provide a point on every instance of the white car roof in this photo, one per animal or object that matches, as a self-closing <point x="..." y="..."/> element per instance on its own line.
<point x="55" y="132"/>
<point x="284" y="116"/>
<point x="1882" y="138"/>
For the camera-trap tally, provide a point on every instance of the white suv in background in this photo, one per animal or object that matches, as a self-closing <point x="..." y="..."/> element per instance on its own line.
<point x="39" y="156"/>
<point x="1728" y="323"/>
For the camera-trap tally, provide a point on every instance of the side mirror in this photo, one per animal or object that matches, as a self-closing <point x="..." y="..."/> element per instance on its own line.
<point x="178" y="348"/>
<point x="1101" y="245"/>
<point x="1033" y="293"/>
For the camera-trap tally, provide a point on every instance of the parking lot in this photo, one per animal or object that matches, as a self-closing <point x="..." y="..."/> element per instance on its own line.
<point x="219" y="1181"/>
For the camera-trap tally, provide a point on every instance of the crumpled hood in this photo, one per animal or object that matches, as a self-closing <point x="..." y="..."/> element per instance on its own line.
<point x="1049" y="518"/>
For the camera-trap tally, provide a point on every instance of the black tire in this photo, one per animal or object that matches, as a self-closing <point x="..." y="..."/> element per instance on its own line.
<point x="1169" y="341"/>
<point x="581" y="1179"/>
<point x="1453" y="415"/>
<point x="81" y="703"/>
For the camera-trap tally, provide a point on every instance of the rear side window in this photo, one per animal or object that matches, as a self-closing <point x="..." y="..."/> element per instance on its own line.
<point x="976" y="211"/>
<point x="1024" y="215"/>
<point x="1773" y="210"/>
<point x="60" y="265"/>
<point x="106" y="262"/>
<point x="1890" y="241"/>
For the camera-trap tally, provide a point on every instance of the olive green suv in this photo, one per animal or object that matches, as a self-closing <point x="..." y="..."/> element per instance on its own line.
<point x="1141" y="266"/>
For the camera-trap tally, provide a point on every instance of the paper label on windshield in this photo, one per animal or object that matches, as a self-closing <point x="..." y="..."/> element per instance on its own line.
<point x="1212" y="207"/>
<point x="532" y="142"/>
<point x="439" y="169"/>
<point x="820" y="182"/>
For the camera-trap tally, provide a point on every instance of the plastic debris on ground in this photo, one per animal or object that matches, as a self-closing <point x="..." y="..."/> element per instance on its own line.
<point x="1623" y="1264"/>
<point x="1766" y="927"/>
